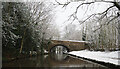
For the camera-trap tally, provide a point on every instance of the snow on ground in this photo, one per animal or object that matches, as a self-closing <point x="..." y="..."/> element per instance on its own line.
<point x="108" y="57"/>
<point x="71" y="40"/>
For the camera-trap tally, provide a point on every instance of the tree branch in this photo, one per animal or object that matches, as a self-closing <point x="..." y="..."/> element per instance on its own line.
<point x="62" y="4"/>
<point x="104" y="12"/>
<point x="81" y="5"/>
<point x="117" y="4"/>
<point x="106" y="23"/>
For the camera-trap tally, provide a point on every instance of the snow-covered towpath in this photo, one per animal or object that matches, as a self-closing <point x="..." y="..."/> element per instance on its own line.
<point x="107" y="57"/>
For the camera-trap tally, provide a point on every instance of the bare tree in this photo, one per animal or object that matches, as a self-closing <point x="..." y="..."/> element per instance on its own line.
<point x="71" y="33"/>
<point x="99" y="20"/>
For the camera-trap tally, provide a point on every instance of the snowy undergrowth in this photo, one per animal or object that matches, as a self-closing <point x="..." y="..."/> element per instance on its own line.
<point x="107" y="57"/>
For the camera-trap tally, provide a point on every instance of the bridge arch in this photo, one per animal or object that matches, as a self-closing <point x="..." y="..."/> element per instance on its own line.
<point x="59" y="45"/>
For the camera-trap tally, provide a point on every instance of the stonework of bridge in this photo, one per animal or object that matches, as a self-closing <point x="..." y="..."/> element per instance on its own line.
<point x="69" y="44"/>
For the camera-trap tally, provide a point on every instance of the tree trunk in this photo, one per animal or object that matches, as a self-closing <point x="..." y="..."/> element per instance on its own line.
<point x="22" y="41"/>
<point x="119" y="32"/>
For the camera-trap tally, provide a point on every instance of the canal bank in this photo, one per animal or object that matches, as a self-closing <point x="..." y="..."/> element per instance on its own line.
<point x="86" y="55"/>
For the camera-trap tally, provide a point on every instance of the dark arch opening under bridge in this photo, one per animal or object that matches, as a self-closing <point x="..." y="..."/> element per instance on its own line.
<point x="60" y="45"/>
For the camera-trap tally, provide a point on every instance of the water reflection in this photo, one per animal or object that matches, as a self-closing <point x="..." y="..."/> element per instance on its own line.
<point x="52" y="60"/>
<point x="59" y="49"/>
<point x="59" y="57"/>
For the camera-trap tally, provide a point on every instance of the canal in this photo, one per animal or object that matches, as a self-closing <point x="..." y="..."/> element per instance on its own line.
<point x="53" y="60"/>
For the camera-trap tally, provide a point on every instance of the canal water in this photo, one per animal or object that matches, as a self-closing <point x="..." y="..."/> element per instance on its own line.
<point x="53" y="60"/>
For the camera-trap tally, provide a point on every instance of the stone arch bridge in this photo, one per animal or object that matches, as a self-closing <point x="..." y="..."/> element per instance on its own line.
<point x="70" y="45"/>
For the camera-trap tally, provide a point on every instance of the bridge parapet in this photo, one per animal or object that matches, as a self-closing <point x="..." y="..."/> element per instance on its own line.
<point x="71" y="45"/>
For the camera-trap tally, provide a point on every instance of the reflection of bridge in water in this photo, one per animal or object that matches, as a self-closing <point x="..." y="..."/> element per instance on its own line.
<point x="64" y="46"/>
<point x="59" y="49"/>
